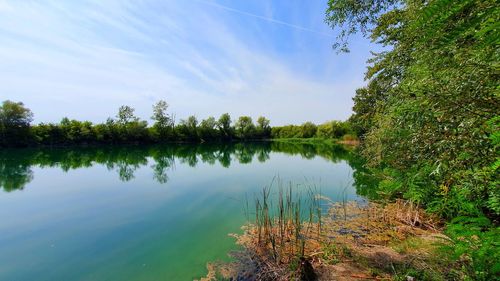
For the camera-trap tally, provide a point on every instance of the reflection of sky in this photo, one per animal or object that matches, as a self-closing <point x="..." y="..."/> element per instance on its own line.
<point x="87" y="224"/>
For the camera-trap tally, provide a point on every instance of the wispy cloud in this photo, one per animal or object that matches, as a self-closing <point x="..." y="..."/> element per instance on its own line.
<point x="84" y="59"/>
<point x="267" y="18"/>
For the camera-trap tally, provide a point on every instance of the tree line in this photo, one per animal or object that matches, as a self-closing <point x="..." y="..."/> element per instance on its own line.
<point x="126" y="127"/>
<point x="328" y="130"/>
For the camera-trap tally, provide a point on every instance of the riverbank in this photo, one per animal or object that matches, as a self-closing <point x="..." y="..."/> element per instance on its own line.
<point x="351" y="241"/>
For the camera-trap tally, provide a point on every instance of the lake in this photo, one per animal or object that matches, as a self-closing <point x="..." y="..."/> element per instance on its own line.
<point x="146" y="213"/>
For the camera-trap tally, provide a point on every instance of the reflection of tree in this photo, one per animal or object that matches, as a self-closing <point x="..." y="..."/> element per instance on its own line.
<point x="332" y="152"/>
<point x="364" y="180"/>
<point x="225" y="159"/>
<point x="126" y="171"/>
<point x="190" y="160"/>
<point x="244" y="156"/>
<point x="15" y="165"/>
<point x="126" y="162"/>
<point x="263" y="156"/>
<point x="75" y="160"/>
<point x="162" y="164"/>
<point x="245" y="152"/>
<point x="208" y="157"/>
<point x="15" y="173"/>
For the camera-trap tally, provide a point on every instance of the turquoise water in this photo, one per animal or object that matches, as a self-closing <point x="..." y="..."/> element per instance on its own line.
<point x="143" y="213"/>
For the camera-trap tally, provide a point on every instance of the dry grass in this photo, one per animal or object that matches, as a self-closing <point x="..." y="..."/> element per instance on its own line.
<point x="349" y="241"/>
<point x="373" y="223"/>
<point x="377" y="239"/>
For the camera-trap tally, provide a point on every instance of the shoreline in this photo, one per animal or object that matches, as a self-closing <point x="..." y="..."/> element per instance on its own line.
<point x="396" y="241"/>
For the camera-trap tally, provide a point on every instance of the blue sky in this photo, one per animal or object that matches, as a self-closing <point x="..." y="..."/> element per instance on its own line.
<point x="83" y="59"/>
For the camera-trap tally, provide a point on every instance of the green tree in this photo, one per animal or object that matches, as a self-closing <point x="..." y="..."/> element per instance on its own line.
<point x="130" y="128"/>
<point x="367" y="102"/>
<point x="188" y="128"/>
<point x="429" y="114"/>
<point x="263" y="129"/>
<point x="192" y="122"/>
<point x="430" y="98"/>
<point x="224" y="125"/>
<point x="126" y="115"/>
<point x="352" y="17"/>
<point x="160" y="115"/>
<point x="15" y="114"/>
<point x="208" y="128"/>
<point x="245" y="128"/>
<point x="163" y="121"/>
<point x="308" y="130"/>
<point x="15" y="121"/>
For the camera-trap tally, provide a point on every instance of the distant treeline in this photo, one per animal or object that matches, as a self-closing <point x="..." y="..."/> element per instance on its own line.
<point x="328" y="130"/>
<point x="16" y="130"/>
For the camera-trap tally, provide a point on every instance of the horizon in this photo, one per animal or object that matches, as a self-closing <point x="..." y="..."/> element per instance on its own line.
<point x="203" y="58"/>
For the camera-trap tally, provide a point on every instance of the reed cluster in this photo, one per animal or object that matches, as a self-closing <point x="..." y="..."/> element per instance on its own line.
<point x="295" y="233"/>
<point x="292" y="231"/>
<point x="284" y="229"/>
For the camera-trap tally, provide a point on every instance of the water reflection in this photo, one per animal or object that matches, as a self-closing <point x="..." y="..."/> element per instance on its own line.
<point x="16" y="164"/>
<point x="14" y="174"/>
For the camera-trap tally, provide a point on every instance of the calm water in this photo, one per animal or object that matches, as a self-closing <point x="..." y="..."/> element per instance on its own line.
<point x="153" y="213"/>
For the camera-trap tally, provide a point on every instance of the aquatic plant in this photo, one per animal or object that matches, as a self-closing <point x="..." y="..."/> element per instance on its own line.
<point x="285" y="230"/>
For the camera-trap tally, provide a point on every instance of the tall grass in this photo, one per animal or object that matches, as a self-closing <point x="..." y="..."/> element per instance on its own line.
<point x="296" y="234"/>
<point x="286" y="220"/>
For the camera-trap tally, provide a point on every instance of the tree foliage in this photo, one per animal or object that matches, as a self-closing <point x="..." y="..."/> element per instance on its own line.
<point x="15" y="129"/>
<point x="352" y="16"/>
<point x="244" y="127"/>
<point x="126" y="115"/>
<point x="428" y="107"/>
<point x="15" y="120"/>
<point x="327" y="130"/>
<point x="160" y="115"/>
<point x="15" y="114"/>
<point x="263" y="129"/>
<point x="224" y="125"/>
<point x="429" y="113"/>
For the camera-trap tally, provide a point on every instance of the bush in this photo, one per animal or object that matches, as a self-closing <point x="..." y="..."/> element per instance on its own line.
<point x="475" y="248"/>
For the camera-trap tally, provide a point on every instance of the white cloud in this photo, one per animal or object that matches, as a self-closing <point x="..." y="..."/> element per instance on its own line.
<point x="84" y="61"/>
